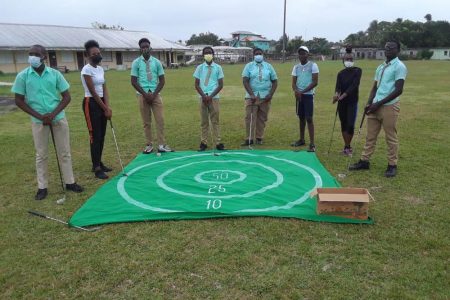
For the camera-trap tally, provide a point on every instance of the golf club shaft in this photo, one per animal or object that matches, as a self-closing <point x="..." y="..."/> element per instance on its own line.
<point x="356" y="140"/>
<point x="250" y="129"/>
<point x="117" y="146"/>
<point x="332" y="132"/>
<point x="57" y="159"/>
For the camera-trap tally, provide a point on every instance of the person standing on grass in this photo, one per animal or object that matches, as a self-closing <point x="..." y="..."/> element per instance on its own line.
<point x="208" y="83"/>
<point x="260" y="82"/>
<point x="95" y="106"/>
<point x="346" y="95"/>
<point x="147" y="77"/>
<point x="383" y="109"/>
<point x="37" y="92"/>
<point x="305" y="77"/>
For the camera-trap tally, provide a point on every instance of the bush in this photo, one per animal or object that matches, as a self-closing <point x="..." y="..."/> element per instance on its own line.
<point x="425" y="54"/>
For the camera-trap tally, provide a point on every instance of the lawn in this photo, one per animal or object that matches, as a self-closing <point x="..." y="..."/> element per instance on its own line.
<point x="404" y="255"/>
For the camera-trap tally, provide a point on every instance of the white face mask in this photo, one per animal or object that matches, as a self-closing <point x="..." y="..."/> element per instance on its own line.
<point x="348" y="64"/>
<point x="34" y="61"/>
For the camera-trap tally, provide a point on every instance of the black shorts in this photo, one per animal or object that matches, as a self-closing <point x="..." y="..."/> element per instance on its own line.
<point x="305" y="107"/>
<point x="347" y="115"/>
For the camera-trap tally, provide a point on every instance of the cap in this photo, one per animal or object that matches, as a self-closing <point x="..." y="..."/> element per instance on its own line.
<point x="304" y="48"/>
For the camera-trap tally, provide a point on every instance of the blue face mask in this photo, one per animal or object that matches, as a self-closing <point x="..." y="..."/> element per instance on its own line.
<point x="34" y="61"/>
<point x="259" y="58"/>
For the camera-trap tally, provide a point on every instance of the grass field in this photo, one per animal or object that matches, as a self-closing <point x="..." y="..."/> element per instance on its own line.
<point x="405" y="255"/>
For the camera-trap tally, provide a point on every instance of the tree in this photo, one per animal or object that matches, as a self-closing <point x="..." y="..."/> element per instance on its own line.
<point x="206" y="38"/>
<point x="319" y="46"/>
<point x="428" y="17"/>
<point x="98" y="25"/>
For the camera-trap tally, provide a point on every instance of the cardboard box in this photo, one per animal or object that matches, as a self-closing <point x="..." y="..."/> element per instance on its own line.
<point x="350" y="203"/>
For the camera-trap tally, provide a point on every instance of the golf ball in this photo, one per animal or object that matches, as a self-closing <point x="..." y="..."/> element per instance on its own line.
<point x="158" y="154"/>
<point x="60" y="201"/>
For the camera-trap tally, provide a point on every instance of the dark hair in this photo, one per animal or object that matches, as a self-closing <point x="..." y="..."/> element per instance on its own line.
<point x="395" y="42"/>
<point x="348" y="49"/>
<point x="91" y="44"/>
<point x="257" y="49"/>
<point x="41" y="48"/>
<point x="143" y="40"/>
<point x="207" y="47"/>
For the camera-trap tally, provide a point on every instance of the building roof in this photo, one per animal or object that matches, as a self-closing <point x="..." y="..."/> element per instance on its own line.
<point x="254" y="39"/>
<point x="22" y="36"/>
<point x="244" y="32"/>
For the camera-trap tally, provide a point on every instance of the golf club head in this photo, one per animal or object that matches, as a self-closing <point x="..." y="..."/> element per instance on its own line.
<point x="342" y="175"/>
<point x="61" y="201"/>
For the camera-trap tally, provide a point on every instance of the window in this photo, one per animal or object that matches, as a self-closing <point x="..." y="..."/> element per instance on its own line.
<point x="445" y="52"/>
<point x="21" y="57"/>
<point x="6" y="57"/>
<point x="130" y="56"/>
<point x="67" y="57"/>
<point x="107" y="56"/>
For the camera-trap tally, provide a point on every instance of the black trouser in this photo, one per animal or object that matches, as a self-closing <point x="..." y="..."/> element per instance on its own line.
<point x="347" y="114"/>
<point x="96" y="123"/>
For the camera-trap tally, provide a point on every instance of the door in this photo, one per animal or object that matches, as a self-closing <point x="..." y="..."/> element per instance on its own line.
<point x="119" y="58"/>
<point x="80" y="60"/>
<point x="52" y="59"/>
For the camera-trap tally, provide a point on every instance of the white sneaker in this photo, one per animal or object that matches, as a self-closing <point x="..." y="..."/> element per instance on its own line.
<point x="164" y="148"/>
<point x="148" y="149"/>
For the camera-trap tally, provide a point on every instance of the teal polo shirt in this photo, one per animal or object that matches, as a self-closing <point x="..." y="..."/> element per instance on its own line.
<point x="139" y="70"/>
<point x="304" y="75"/>
<point x="42" y="93"/>
<point x="386" y="75"/>
<point x="260" y="86"/>
<point x="216" y="73"/>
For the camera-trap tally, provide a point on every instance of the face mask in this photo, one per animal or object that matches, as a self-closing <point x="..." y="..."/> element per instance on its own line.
<point x="96" y="59"/>
<point x="348" y="64"/>
<point x="259" y="58"/>
<point x="208" y="57"/>
<point x="34" y="61"/>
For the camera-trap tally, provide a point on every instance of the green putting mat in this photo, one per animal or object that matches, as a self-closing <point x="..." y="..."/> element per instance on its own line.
<point x="197" y="185"/>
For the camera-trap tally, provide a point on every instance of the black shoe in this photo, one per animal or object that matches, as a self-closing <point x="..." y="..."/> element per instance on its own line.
<point x="246" y="143"/>
<point x="360" y="165"/>
<point x="104" y="168"/>
<point x="312" y="148"/>
<point x="391" y="171"/>
<point x="202" y="147"/>
<point x="259" y="141"/>
<point x="74" y="187"/>
<point x="41" y="194"/>
<point x="298" y="143"/>
<point x="220" y="147"/>
<point x="100" y="174"/>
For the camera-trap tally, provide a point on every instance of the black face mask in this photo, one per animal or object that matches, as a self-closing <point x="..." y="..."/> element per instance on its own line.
<point x="96" y="59"/>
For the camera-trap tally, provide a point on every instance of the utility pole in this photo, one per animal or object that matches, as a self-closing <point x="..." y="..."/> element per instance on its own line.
<point x="284" y="34"/>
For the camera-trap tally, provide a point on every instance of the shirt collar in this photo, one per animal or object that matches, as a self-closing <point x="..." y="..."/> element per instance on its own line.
<point x="393" y="61"/>
<point x="143" y="59"/>
<point x="32" y="70"/>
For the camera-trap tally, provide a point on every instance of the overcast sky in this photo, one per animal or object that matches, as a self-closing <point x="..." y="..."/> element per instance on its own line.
<point x="179" y="19"/>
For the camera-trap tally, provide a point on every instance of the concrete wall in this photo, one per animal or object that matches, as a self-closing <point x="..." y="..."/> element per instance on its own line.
<point x="441" y="54"/>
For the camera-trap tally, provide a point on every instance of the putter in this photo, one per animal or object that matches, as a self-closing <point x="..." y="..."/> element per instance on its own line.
<point x="211" y="131"/>
<point x="332" y="132"/>
<point x="343" y="175"/>
<point x="250" y="129"/>
<point x="63" y="199"/>
<point x="38" y="214"/>
<point x="117" y="147"/>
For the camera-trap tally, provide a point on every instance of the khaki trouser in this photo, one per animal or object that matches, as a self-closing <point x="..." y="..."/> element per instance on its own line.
<point x="210" y="112"/>
<point x="257" y="113"/>
<point x="386" y="116"/>
<point x="146" y="113"/>
<point x="41" y="134"/>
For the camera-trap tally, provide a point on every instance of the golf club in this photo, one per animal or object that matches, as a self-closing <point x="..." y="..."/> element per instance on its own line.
<point x="250" y="129"/>
<point x="63" y="199"/>
<point x="117" y="147"/>
<point x="211" y="131"/>
<point x="343" y="175"/>
<point x="332" y="132"/>
<point x="38" y="214"/>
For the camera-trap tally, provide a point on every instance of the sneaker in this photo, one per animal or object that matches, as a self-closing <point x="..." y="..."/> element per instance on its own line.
<point x="100" y="174"/>
<point x="41" y="194"/>
<point x="148" y="149"/>
<point x="312" y="148"/>
<point x="259" y="141"/>
<point x="298" y="143"/>
<point x="220" y="147"/>
<point x="164" y="148"/>
<point x="360" y="165"/>
<point x="348" y="151"/>
<point x="246" y="142"/>
<point x="202" y="147"/>
<point x="391" y="171"/>
<point x="74" y="187"/>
